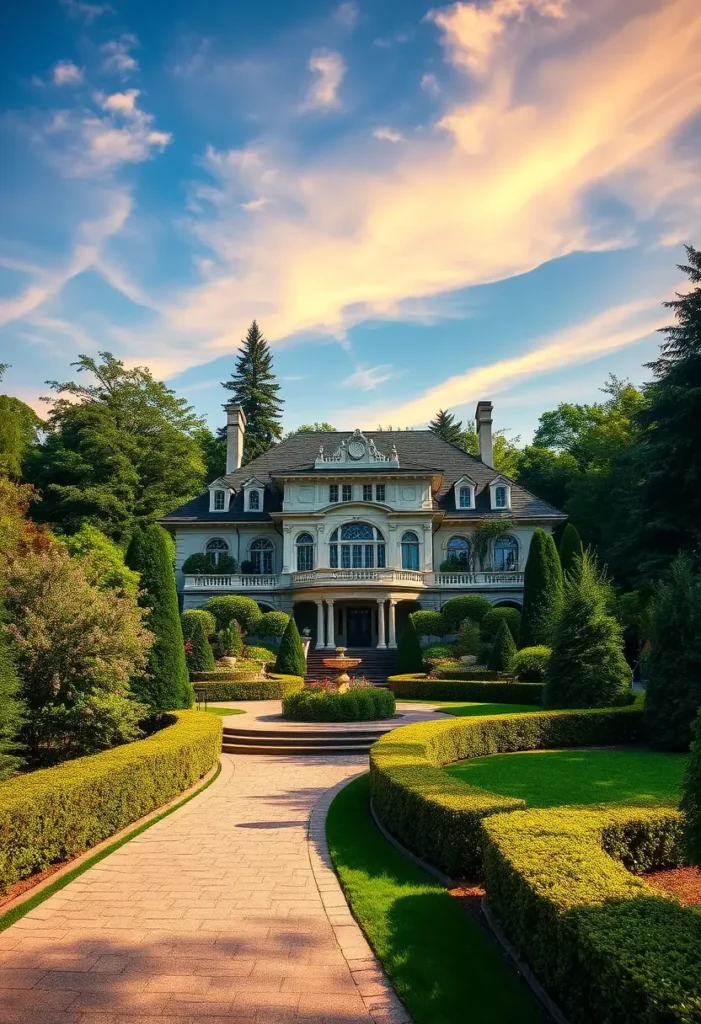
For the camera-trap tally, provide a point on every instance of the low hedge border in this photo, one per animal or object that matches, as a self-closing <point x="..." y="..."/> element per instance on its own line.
<point x="354" y="706"/>
<point x="439" y="817"/>
<point x="221" y="686"/>
<point x="53" y="814"/>
<point x="607" y="946"/>
<point x="420" y="688"/>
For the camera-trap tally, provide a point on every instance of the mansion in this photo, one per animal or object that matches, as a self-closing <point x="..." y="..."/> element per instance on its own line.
<point x="352" y="531"/>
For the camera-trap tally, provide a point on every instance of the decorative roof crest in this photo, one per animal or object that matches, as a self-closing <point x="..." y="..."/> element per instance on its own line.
<point x="359" y="452"/>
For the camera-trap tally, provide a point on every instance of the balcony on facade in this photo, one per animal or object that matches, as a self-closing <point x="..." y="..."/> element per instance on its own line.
<point x="394" y="578"/>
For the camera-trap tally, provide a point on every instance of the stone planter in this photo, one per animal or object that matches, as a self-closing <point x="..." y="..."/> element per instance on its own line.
<point x="228" y="660"/>
<point x="469" y="659"/>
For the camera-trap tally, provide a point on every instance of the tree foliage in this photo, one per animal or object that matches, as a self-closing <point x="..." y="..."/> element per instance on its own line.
<point x="11" y="711"/>
<point x="491" y="623"/>
<point x="102" y="560"/>
<point x="290" y="656"/>
<point x="691" y="801"/>
<point x="213" y="451"/>
<point x="587" y="668"/>
<point x="674" y="659"/>
<point x="409" y="657"/>
<point x="231" y="606"/>
<point x="503" y="649"/>
<point x="166" y="684"/>
<point x="254" y="387"/>
<point x="484" y="535"/>
<point x="19" y="426"/>
<point x="542" y="591"/>
<point x="570" y="548"/>
<point x="312" y="428"/>
<point x="469" y="606"/>
<point x="198" y="653"/>
<point x="446" y="426"/>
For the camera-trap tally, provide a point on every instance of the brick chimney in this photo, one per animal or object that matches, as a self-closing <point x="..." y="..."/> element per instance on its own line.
<point x="483" y="425"/>
<point x="235" y="431"/>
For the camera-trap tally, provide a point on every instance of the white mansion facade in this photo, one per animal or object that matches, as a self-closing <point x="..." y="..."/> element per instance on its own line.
<point x="350" y="532"/>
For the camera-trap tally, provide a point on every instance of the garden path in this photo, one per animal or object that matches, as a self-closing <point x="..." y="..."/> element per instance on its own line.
<point x="225" y="912"/>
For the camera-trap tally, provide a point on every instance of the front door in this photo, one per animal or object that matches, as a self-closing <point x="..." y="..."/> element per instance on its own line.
<point x="358" y="627"/>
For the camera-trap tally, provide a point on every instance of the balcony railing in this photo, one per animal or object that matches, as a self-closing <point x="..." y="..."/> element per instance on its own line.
<point x="466" y="580"/>
<point x="325" y="577"/>
<point x="409" y="578"/>
<point x="234" y="582"/>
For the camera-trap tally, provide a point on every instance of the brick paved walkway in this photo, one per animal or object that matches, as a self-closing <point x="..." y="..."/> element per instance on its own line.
<point x="226" y="911"/>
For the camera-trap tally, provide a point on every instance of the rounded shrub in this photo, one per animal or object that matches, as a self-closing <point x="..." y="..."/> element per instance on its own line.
<point x="290" y="656"/>
<point x="455" y="611"/>
<point x="353" y="706"/>
<point x="230" y="606"/>
<point x="259" y="653"/>
<point x="503" y="650"/>
<point x="438" y="652"/>
<point x="429" y="623"/>
<point x="198" y="653"/>
<point x="272" y="624"/>
<point x="493" y="619"/>
<point x="530" y="664"/>
<point x="208" y="620"/>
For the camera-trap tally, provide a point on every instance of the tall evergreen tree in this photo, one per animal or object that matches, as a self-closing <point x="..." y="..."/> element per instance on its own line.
<point x="691" y="802"/>
<point x="11" y="711"/>
<point x="290" y="656"/>
<point x="503" y="649"/>
<point x="570" y="548"/>
<point x="542" y="591"/>
<point x="166" y="685"/>
<point x="669" y="457"/>
<point x="674" y="662"/>
<point x="446" y="427"/>
<point x="587" y="668"/>
<point x="254" y="388"/>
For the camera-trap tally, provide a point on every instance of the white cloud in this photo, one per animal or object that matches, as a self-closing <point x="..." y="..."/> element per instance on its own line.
<point x="429" y="83"/>
<point x="88" y="12"/>
<point x="387" y="135"/>
<point x="347" y="14"/>
<point x="65" y="72"/>
<point x="255" y="204"/>
<point x="117" y="55"/>
<point x="119" y="102"/>
<point x="367" y="378"/>
<point x="329" y="68"/>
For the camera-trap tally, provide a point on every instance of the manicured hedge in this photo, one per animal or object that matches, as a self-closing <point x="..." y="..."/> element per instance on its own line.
<point x="419" y="687"/>
<point x="468" y="673"/>
<point x="353" y="706"/>
<point x="226" y="685"/>
<point x="51" y="815"/>
<point x="607" y="946"/>
<point x="439" y="817"/>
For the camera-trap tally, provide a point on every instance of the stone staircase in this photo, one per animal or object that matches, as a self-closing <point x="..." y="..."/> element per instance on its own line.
<point x="375" y="665"/>
<point x="336" y="740"/>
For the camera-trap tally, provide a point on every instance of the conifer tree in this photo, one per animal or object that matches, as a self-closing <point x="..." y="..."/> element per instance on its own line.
<point x="254" y="388"/>
<point x="290" y="655"/>
<point x="166" y="685"/>
<point x="503" y="649"/>
<point x="570" y="548"/>
<point x="587" y="668"/>
<point x="674" y="660"/>
<point x="691" y="802"/>
<point x="409" y="657"/>
<point x="446" y="427"/>
<point x="11" y="711"/>
<point x="542" y="591"/>
<point x="198" y="652"/>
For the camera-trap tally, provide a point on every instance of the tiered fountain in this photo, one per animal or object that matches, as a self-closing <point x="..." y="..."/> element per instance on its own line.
<point x="343" y="663"/>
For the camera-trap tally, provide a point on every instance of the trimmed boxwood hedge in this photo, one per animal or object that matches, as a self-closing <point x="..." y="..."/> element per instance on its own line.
<point x="53" y="814"/>
<point x="353" y="706"/>
<point x="226" y="685"/>
<point x="606" y="946"/>
<point x="440" y="817"/>
<point x="419" y="687"/>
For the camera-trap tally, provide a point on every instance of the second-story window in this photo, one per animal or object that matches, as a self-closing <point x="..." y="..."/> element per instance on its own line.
<point x="357" y="546"/>
<point x="219" y="501"/>
<point x="367" y="492"/>
<point x="254" y="501"/>
<point x="379" y="492"/>
<point x="333" y="492"/>
<point x="347" y="492"/>
<point x="261" y="556"/>
<point x="305" y="552"/>
<point x="465" y="497"/>
<point x="410" y="550"/>
<point x="500" y="497"/>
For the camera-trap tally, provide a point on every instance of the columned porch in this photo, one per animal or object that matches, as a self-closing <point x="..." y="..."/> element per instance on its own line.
<point x="354" y="620"/>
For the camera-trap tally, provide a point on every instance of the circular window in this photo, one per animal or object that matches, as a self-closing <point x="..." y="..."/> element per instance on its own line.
<point x="356" y="449"/>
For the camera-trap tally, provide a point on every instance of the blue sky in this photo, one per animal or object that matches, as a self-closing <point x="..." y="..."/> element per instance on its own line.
<point x="422" y="205"/>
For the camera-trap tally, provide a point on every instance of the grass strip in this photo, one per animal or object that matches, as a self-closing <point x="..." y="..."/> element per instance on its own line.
<point x="478" y="710"/>
<point x="17" y="913"/>
<point x="223" y="712"/>
<point x="442" y="965"/>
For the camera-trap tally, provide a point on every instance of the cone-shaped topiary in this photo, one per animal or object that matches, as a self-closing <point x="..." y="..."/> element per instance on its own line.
<point x="570" y="548"/>
<point x="198" y="653"/>
<point x="542" y="591"/>
<point x="290" y="655"/>
<point x="674" y="659"/>
<point x="409" y="657"/>
<point x="166" y="684"/>
<point x="11" y="711"/>
<point x="587" y="668"/>
<point x="691" y="802"/>
<point x="503" y="649"/>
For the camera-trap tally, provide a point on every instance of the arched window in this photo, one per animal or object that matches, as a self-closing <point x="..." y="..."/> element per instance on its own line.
<point x="362" y="546"/>
<point x="410" y="550"/>
<point x="459" y="550"/>
<point x="261" y="552"/>
<point x="215" y="548"/>
<point x="505" y="554"/>
<point x="254" y="501"/>
<point x="305" y="552"/>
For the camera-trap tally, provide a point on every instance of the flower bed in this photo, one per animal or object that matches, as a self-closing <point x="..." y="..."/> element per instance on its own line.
<point x="439" y="817"/>
<point x="321" y="705"/>
<point x="51" y="815"/>
<point x="607" y="946"/>
<point x="500" y="692"/>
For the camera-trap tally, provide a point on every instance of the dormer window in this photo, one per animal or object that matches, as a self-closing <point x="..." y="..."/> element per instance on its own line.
<point x="253" y="491"/>
<point x="464" y="493"/>
<point x="219" y="501"/>
<point x="500" y="497"/>
<point x="500" y="494"/>
<point x="254" y="501"/>
<point x="219" y="496"/>
<point x="465" y="497"/>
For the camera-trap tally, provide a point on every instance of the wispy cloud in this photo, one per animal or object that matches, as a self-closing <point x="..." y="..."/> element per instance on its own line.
<point x="65" y="72"/>
<point x="429" y="84"/>
<point x="329" y="69"/>
<point x="367" y="378"/>
<point x="347" y="14"/>
<point x="87" y="12"/>
<point x="117" y="54"/>
<point x="387" y="134"/>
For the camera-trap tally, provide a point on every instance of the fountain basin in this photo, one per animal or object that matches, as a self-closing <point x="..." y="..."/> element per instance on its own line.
<point x="342" y="663"/>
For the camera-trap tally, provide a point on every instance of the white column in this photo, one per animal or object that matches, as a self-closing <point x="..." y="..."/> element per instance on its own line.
<point x="330" y="638"/>
<point x="381" y="624"/>
<point x="392" y="624"/>
<point x="319" y="623"/>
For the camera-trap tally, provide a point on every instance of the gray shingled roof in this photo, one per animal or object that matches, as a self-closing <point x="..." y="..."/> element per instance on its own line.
<point x="420" y="452"/>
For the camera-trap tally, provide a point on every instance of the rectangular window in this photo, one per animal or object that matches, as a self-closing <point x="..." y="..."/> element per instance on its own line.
<point x="333" y="492"/>
<point x="465" y="497"/>
<point x="345" y="556"/>
<point x="305" y="557"/>
<point x="333" y="556"/>
<point x="218" y="501"/>
<point x="380" y="556"/>
<point x="500" y="497"/>
<point x="254" y="501"/>
<point x="379" y="492"/>
<point x="347" y="492"/>
<point x="357" y="556"/>
<point x="367" y="492"/>
<point x="369" y="556"/>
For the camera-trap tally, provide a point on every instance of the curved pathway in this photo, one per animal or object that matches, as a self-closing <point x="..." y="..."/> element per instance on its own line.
<point x="224" y="912"/>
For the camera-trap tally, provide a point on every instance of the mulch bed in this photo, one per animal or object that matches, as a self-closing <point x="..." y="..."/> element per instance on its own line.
<point x="684" y="883"/>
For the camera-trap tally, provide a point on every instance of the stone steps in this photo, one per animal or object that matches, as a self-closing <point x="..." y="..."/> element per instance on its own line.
<point x="320" y="742"/>
<point x="375" y="665"/>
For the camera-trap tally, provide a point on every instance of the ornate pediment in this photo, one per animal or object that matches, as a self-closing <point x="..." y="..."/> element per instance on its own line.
<point x="358" y="452"/>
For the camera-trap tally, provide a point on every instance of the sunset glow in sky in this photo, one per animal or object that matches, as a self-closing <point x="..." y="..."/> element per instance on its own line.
<point x="422" y="206"/>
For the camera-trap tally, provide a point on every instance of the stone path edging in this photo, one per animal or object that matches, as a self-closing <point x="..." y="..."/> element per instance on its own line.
<point x="380" y="999"/>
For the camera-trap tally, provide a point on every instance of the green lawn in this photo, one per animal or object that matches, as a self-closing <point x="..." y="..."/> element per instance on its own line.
<point x="473" y="710"/>
<point x="554" y="778"/>
<point x="442" y="965"/>
<point x="224" y="711"/>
